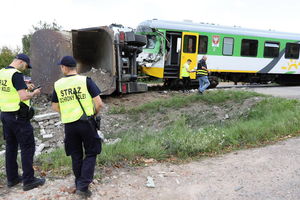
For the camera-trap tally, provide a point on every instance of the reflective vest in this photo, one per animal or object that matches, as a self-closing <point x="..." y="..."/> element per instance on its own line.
<point x="70" y="109"/>
<point x="184" y="72"/>
<point x="9" y="96"/>
<point x="202" y="72"/>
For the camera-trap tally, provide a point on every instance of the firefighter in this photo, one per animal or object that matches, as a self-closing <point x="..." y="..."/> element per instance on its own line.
<point x="77" y="100"/>
<point x="17" y="130"/>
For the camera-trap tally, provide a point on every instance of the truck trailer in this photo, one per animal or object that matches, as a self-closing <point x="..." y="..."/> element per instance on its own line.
<point x="107" y="54"/>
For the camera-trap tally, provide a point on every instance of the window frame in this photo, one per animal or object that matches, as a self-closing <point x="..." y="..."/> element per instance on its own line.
<point x="194" y="46"/>
<point x="203" y="36"/>
<point x="147" y="47"/>
<point x="286" y="50"/>
<point x="231" y="49"/>
<point x="252" y="56"/>
<point x="274" y="42"/>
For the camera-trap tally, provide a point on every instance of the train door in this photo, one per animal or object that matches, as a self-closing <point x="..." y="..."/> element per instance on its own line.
<point x="172" y="57"/>
<point x="189" y="49"/>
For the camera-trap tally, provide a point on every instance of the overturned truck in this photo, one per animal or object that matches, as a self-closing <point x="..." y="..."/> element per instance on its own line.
<point x="107" y="54"/>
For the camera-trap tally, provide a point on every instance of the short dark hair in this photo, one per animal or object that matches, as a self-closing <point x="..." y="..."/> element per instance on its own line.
<point x="189" y="60"/>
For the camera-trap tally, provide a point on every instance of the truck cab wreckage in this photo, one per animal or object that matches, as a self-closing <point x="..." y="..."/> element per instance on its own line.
<point x="107" y="54"/>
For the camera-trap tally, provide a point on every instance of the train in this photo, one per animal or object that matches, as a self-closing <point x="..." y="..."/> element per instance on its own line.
<point x="234" y="53"/>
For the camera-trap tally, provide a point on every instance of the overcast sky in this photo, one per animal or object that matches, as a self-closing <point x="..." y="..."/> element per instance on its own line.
<point x="18" y="16"/>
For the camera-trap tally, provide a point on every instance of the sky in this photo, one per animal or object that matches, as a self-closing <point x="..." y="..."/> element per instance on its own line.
<point x="18" y="16"/>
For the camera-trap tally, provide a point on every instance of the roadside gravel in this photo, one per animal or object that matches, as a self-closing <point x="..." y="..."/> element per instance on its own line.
<point x="271" y="172"/>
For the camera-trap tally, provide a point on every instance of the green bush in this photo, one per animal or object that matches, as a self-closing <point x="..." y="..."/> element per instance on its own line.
<point x="6" y="56"/>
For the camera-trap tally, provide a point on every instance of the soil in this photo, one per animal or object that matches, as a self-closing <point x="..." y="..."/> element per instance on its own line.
<point x="103" y="79"/>
<point x="270" y="172"/>
<point x="197" y="114"/>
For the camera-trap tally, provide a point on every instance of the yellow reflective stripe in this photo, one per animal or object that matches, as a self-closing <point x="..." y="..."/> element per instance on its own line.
<point x="70" y="109"/>
<point x="202" y="72"/>
<point x="225" y="70"/>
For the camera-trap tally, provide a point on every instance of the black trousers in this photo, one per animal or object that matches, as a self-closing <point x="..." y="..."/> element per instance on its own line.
<point x="186" y="83"/>
<point x="18" y="132"/>
<point x="83" y="144"/>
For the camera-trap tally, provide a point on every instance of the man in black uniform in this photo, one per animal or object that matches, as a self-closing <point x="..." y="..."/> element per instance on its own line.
<point x="202" y="75"/>
<point x="75" y="97"/>
<point x="17" y="130"/>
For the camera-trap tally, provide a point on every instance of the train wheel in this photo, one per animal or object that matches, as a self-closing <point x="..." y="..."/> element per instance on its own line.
<point x="173" y="84"/>
<point x="214" y="81"/>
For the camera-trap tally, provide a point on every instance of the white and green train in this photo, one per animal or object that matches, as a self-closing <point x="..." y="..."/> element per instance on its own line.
<point x="234" y="53"/>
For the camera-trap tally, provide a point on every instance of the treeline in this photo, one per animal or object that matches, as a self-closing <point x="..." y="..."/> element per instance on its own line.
<point x="7" y="54"/>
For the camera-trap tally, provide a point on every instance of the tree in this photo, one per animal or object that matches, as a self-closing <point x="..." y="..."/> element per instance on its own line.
<point x="6" y="56"/>
<point x="41" y="25"/>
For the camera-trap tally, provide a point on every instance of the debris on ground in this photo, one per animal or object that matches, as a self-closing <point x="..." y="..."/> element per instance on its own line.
<point x="150" y="182"/>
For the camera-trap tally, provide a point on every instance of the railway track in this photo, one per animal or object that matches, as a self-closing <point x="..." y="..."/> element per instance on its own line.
<point x="222" y="85"/>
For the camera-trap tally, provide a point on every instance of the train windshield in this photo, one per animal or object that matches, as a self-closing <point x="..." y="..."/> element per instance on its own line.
<point x="151" y="41"/>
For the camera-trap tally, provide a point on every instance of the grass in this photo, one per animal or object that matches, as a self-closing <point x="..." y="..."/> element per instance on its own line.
<point x="2" y="173"/>
<point x="269" y="120"/>
<point x="56" y="161"/>
<point x="150" y="80"/>
<point x="179" y="101"/>
<point x="1" y="135"/>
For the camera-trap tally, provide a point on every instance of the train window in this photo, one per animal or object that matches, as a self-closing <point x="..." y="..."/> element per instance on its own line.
<point x="151" y="40"/>
<point x="249" y="48"/>
<point x="203" y="41"/>
<point x="228" y="46"/>
<point x="271" y="49"/>
<point x="189" y="44"/>
<point x="292" y="50"/>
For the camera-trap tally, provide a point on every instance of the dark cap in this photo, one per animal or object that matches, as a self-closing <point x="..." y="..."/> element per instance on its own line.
<point x="25" y="58"/>
<point x="67" y="61"/>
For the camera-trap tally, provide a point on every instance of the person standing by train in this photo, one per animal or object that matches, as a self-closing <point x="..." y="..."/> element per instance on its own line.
<point x="77" y="100"/>
<point x="202" y="75"/>
<point x="185" y="73"/>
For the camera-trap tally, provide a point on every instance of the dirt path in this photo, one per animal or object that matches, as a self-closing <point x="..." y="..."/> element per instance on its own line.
<point x="271" y="172"/>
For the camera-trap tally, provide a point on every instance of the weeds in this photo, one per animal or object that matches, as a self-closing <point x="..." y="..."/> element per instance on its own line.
<point x="55" y="161"/>
<point x="179" y="101"/>
<point x="2" y="174"/>
<point x="1" y="135"/>
<point x="268" y="120"/>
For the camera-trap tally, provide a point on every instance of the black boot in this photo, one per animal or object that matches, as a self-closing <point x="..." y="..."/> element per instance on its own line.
<point x="35" y="183"/>
<point x="84" y="194"/>
<point x="14" y="182"/>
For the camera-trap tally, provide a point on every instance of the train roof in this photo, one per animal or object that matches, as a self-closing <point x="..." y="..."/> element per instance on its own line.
<point x="201" y="27"/>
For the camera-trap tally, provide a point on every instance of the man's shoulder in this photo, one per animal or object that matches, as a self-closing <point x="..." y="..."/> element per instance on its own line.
<point x="58" y="80"/>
